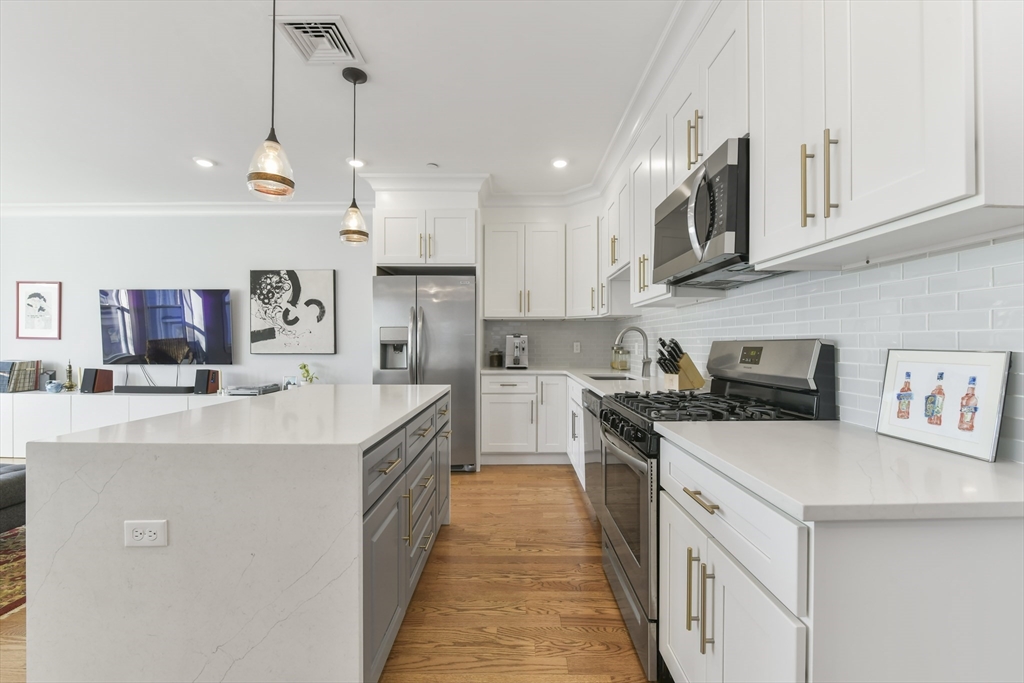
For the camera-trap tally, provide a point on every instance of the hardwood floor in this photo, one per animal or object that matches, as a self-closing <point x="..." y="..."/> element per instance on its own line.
<point x="513" y="591"/>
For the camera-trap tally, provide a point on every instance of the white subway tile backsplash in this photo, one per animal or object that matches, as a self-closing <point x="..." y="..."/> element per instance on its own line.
<point x="969" y="299"/>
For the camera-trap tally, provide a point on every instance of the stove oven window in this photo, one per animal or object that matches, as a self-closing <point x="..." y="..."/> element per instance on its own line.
<point x="625" y="498"/>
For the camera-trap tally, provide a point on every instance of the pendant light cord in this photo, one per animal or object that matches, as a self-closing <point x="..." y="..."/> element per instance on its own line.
<point x="354" y="157"/>
<point x="273" y="64"/>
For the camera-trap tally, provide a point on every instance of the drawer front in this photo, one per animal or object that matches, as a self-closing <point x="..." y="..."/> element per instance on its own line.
<point x="424" y="534"/>
<point x="770" y="544"/>
<point x="575" y="391"/>
<point x="383" y="465"/>
<point x="443" y="411"/>
<point x="421" y="478"/>
<point x="419" y="432"/>
<point x="509" y="384"/>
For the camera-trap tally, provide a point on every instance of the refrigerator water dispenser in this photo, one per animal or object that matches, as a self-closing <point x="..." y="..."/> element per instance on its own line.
<point x="394" y="348"/>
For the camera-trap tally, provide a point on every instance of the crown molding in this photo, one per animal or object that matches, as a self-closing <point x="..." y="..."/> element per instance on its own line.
<point x="179" y="209"/>
<point x="426" y="182"/>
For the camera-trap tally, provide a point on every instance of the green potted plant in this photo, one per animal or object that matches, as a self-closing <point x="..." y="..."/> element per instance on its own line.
<point x="308" y="376"/>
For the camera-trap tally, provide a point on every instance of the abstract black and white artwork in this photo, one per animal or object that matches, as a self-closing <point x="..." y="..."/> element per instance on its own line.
<point x="292" y="311"/>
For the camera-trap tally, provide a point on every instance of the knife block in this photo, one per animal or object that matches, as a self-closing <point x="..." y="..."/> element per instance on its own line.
<point x="688" y="379"/>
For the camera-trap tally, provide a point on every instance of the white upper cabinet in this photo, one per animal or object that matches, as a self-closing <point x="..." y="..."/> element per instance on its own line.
<point x="721" y="53"/>
<point x="684" y="106"/>
<point x="545" y="270"/>
<point x="899" y="102"/>
<point x="417" y="236"/>
<point x="504" y="270"/>
<point x="582" y="290"/>
<point x="451" y="236"/>
<point x="524" y="270"/>
<point x="649" y="183"/>
<point x="398" y="236"/>
<point x="788" y="111"/>
<point x="619" y="235"/>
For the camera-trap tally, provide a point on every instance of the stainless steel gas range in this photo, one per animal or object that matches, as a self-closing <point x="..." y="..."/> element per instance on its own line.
<point x="792" y="379"/>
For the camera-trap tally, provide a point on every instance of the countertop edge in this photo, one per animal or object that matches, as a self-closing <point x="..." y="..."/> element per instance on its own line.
<point x="442" y="389"/>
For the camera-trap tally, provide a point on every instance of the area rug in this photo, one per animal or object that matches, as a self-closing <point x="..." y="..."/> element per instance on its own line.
<point x="12" y="570"/>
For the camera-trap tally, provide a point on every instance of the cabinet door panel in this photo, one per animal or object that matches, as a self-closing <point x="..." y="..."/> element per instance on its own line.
<point x="756" y="637"/>
<point x="683" y="103"/>
<point x="504" y="263"/>
<point x="649" y="187"/>
<point x="787" y="111"/>
<point x="444" y="469"/>
<point x="142" y="407"/>
<point x="581" y="271"/>
<point x="451" y="236"/>
<point x="722" y="50"/>
<point x="507" y="423"/>
<point x="900" y="101"/>
<point x="398" y="236"/>
<point x="679" y="642"/>
<point x="545" y="270"/>
<point x="39" y="416"/>
<point x="92" y="412"/>
<point x="384" y="577"/>
<point x="621" y="227"/>
<point x="551" y="414"/>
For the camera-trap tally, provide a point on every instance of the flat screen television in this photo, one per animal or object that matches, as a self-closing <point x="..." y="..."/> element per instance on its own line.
<point x="166" y="326"/>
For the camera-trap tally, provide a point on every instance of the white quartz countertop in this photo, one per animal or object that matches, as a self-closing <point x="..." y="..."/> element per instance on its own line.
<point x="325" y="414"/>
<point x="582" y="375"/>
<point x="830" y="471"/>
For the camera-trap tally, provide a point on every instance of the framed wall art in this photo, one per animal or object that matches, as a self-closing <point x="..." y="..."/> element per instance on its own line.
<point x="951" y="400"/>
<point x="38" y="310"/>
<point x="292" y="311"/>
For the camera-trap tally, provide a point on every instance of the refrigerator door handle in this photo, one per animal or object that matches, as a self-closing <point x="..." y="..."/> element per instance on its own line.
<point x="412" y="345"/>
<point x="419" y="346"/>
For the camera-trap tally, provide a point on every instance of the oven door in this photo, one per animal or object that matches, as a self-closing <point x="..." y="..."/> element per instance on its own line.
<point x="630" y="515"/>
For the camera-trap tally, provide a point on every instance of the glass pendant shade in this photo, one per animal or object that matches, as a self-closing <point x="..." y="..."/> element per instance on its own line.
<point x="353" y="227"/>
<point x="270" y="174"/>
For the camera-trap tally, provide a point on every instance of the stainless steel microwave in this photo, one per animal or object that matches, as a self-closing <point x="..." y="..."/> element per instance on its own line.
<point x="701" y="230"/>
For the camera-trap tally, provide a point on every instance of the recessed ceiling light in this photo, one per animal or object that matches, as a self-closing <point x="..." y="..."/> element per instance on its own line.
<point x="205" y="163"/>
<point x="357" y="163"/>
<point x="559" y="163"/>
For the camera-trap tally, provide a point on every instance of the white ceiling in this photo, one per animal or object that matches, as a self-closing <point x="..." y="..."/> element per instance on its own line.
<point x="108" y="101"/>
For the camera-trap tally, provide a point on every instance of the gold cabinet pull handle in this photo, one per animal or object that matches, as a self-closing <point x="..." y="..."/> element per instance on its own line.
<point x="447" y="435"/>
<point x="704" y="640"/>
<point x="696" y="135"/>
<point x="804" y="156"/>
<point x="421" y="245"/>
<point x="442" y="411"/>
<point x="708" y="507"/>
<point x="593" y="291"/>
<point x="408" y="539"/>
<point x="508" y="384"/>
<point x="430" y="246"/>
<point x="639" y="281"/>
<point x="423" y="432"/>
<point x="520" y="301"/>
<point x="392" y="464"/>
<point x="829" y="141"/>
<point x="527" y="301"/>
<point x="614" y="256"/>
<point x="427" y="542"/>
<point x="690" y="559"/>
<point x="689" y="144"/>
<point x="531" y="411"/>
<point x="602" y="295"/>
<point x="427" y="483"/>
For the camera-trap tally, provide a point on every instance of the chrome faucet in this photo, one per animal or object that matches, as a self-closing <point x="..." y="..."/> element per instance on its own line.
<point x="646" y="372"/>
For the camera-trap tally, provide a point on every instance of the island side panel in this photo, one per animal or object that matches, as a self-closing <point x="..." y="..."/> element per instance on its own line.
<point x="917" y="600"/>
<point x="260" y="581"/>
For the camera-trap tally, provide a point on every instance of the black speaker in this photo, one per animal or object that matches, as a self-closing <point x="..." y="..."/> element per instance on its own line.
<point x="207" y="381"/>
<point x="97" y="380"/>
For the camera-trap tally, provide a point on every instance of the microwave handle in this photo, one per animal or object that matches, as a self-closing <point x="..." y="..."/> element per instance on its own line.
<point x="691" y="212"/>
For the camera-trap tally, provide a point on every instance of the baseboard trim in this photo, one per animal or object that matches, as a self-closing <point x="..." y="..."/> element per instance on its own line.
<point x="524" y="459"/>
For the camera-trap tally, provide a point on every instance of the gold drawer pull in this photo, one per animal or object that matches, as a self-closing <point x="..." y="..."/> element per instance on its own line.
<point x="690" y="559"/>
<point x="447" y="435"/>
<point x="423" y="432"/>
<point x="427" y="542"/>
<point x="709" y="507"/>
<point x="508" y="384"/>
<point x="829" y="141"/>
<point x="408" y="539"/>
<point x="704" y="640"/>
<point x="804" y="156"/>
<point x="442" y="411"/>
<point x="392" y="464"/>
<point x="429" y="479"/>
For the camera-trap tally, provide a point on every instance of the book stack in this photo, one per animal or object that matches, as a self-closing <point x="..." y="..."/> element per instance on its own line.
<point x="19" y="375"/>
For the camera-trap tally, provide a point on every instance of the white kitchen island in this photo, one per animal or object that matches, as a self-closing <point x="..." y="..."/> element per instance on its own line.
<point x="292" y="546"/>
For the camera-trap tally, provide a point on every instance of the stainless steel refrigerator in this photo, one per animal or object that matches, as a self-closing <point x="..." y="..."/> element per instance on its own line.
<point x="424" y="332"/>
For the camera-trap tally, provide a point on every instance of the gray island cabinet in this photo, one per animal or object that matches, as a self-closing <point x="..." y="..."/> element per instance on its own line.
<point x="297" y="527"/>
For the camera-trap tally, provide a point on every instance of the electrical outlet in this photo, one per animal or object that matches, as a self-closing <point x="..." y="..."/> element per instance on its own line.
<point x="145" y="532"/>
<point x="575" y="347"/>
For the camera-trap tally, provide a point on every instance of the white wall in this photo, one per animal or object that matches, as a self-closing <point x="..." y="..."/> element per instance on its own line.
<point x="87" y="253"/>
<point x="971" y="300"/>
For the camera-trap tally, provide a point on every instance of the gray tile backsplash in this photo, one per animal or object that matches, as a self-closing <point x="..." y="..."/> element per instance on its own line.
<point x="551" y="340"/>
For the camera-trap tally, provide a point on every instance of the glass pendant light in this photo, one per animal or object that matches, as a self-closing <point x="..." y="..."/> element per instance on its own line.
<point x="353" y="227"/>
<point x="270" y="175"/>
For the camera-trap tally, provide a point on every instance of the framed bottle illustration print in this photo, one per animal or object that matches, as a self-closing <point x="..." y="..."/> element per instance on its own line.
<point x="951" y="400"/>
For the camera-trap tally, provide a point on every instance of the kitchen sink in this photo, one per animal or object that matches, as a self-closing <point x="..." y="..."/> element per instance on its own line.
<point x="608" y="377"/>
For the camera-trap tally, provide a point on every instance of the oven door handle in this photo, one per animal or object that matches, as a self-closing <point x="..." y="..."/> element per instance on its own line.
<point x="622" y="452"/>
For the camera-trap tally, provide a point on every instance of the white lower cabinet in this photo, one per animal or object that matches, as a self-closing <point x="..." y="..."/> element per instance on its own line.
<point x="717" y="623"/>
<point x="575" y="444"/>
<point x="92" y="411"/>
<point x="508" y="423"/>
<point x="153" y="406"/>
<point x="551" y="414"/>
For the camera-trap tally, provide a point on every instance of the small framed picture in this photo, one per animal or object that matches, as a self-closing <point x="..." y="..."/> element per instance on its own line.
<point x="951" y="400"/>
<point x="289" y="382"/>
<point x="38" y="310"/>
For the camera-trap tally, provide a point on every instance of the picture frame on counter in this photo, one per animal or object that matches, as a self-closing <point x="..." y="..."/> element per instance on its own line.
<point x="39" y="310"/>
<point x="951" y="400"/>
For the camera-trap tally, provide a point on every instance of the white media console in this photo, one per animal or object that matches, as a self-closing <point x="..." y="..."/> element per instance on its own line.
<point x="30" y="415"/>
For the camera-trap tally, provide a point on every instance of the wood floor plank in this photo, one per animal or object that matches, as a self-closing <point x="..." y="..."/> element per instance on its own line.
<point x="514" y="590"/>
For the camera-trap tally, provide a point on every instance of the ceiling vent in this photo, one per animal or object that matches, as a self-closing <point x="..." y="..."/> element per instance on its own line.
<point x="321" y="40"/>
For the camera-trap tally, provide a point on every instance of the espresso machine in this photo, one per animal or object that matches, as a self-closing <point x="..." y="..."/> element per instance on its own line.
<point x="516" y="355"/>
